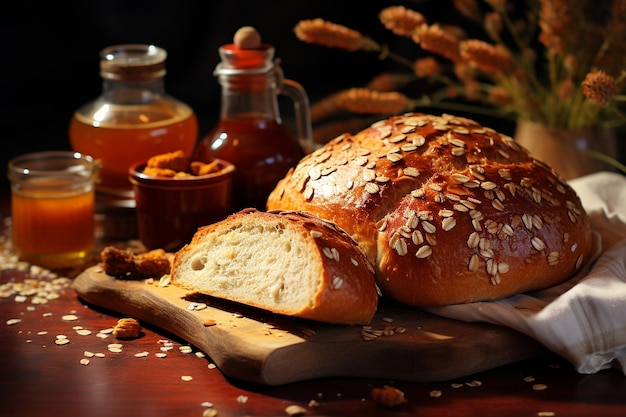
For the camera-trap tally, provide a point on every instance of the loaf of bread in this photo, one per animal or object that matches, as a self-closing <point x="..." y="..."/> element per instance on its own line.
<point x="286" y="262"/>
<point x="448" y="211"/>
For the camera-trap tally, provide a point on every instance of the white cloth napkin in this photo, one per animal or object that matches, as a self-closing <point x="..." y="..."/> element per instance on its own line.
<point x="584" y="319"/>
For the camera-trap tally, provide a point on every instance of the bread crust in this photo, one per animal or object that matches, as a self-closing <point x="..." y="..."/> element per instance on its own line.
<point x="345" y="292"/>
<point x="448" y="211"/>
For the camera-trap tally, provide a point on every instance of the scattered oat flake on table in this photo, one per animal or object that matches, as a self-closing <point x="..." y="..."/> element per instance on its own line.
<point x="185" y="349"/>
<point x="539" y="387"/>
<point x="84" y="361"/>
<point x="41" y="300"/>
<point x="11" y="322"/>
<point x="186" y="378"/>
<point x="114" y="347"/>
<point x="142" y="354"/>
<point x="69" y="317"/>
<point x="209" y="412"/>
<point x="546" y="414"/>
<point x="435" y="393"/>
<point x="295" y="410"/>
<point x="61" y="340"/>
<point x="242" y="399"/>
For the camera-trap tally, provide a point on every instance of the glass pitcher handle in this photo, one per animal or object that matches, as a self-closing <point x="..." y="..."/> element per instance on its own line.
<point x="296" y="93"/>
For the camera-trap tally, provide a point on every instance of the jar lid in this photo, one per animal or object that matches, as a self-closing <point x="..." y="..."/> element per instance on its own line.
<point x="132" y="62"/>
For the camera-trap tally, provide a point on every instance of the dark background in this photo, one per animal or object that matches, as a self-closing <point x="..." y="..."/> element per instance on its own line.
<point x="50" y="57"/>
<point x="50" y="62"/>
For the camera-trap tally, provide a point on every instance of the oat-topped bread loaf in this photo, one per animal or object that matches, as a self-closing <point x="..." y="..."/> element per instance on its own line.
<point x="285" y="262"/>
<point x="448" y="211"/>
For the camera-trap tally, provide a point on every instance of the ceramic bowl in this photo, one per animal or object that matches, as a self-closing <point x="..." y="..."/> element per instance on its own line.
<point x="170" y="210"/>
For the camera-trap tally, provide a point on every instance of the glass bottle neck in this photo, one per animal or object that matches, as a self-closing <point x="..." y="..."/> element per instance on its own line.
<point x="133" y="92"/>
<point x="249" y="95"/>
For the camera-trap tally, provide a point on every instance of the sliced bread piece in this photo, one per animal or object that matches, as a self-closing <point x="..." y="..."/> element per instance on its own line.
<point x="286" y="262"/>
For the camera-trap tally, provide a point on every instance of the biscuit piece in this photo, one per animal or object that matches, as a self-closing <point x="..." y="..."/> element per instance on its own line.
<point x="117" y="262"/>
<point x="154" y="263"/>
<point x="123" y="263"/>
<point x="127" y="328"/>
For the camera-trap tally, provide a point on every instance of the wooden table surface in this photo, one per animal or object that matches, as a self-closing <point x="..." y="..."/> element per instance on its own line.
<point x="160" y="375"/>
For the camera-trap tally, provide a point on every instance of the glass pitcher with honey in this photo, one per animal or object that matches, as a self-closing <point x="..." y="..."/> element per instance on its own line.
<point x="250" y="132"/>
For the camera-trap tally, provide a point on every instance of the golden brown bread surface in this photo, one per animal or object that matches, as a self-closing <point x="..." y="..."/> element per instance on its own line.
<point x="286" y="262"/>
<point x="448" y="211"/>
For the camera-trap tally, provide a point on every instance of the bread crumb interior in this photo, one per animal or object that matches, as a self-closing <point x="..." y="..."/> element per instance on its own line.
<point x="255" y="262"/>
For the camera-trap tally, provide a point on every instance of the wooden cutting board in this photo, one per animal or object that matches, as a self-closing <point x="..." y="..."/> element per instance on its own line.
<point x="257" y="346"/>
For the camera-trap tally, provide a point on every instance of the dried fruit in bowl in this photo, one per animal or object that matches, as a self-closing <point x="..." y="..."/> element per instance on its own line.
<point x="176" y="165"/>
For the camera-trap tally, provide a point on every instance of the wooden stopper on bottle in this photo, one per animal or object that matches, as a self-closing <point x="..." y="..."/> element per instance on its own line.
<point x="247" y="37"/>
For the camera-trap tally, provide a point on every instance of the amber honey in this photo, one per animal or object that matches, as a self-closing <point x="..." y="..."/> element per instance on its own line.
<point x="53" y="228"/>
<point x="262" y="151"/>
<point x="135" y="134"/>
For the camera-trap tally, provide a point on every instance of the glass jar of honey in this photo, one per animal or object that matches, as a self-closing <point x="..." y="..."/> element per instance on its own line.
<point x="52" y="206"/>
<point x="250" y="132"/>
<point x="132" y="120"/>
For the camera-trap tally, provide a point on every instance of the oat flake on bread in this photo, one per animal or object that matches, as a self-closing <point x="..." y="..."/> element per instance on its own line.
<point x="447" y="210"/>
